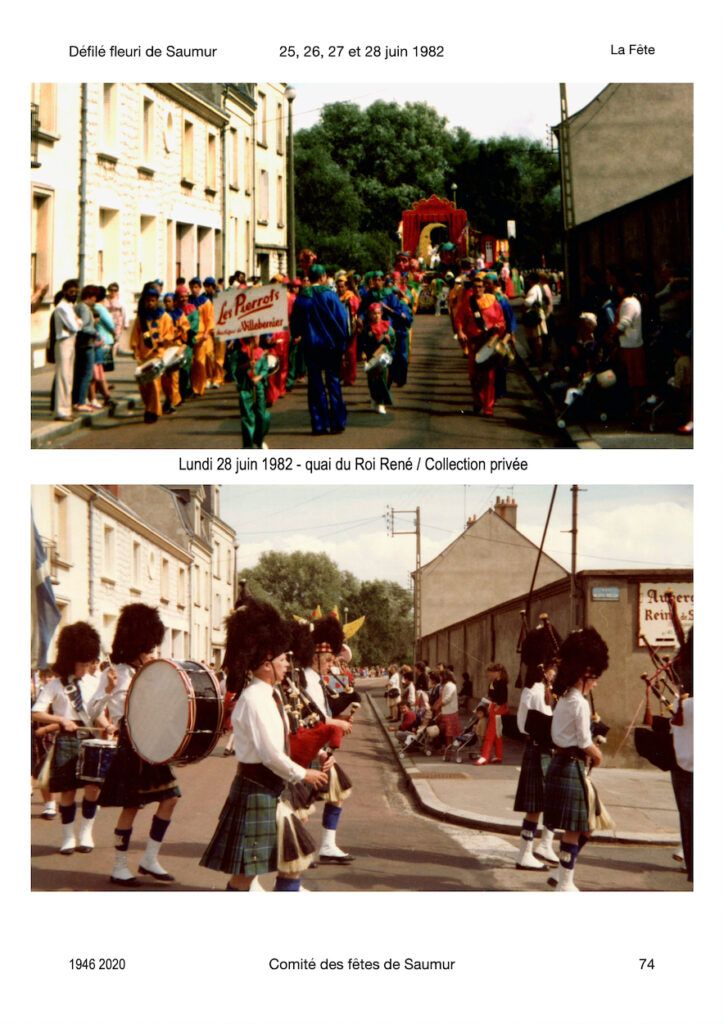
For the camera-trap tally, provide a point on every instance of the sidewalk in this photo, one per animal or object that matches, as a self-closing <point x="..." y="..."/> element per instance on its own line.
<point x="641" y="802"/>
<point x="44" y="428"/>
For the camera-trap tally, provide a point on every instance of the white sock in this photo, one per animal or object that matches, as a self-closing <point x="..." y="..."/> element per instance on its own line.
<point x="149" y="860"/>
<point x="68" y="842"/>
<point x="85" y="833"/>
<point x="120" y="868"/>
<point x="328" y="846"/>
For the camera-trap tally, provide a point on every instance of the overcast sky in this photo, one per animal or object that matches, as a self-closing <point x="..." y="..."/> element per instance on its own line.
<point x="619" y="527"/>
<point x="487" y="111"/>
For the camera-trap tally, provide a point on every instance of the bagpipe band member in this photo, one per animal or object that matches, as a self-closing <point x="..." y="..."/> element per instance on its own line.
<point x="583" y="658"/>
<point x="682" y="772"/>
<point x="327" y="640"/>
<point x="131" y="782"/>
<point x="257" y="831"/>
<point x="69" y="694"/>
<point x="539" y="654"/>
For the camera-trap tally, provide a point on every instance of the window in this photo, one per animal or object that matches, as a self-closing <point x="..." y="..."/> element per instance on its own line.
<point x="45" y="97"/>
<point x="211" y="162"/>
<point x="204" y="255"/>
<point x="165" y="580"/>
<point x="197" y="585"/>
<point x="148" y="266"/>
<point x="248" y="165"/>
<point x="206" y="589"/>
<point x="187" y="153"/>
<point x="262" y="133"/>
<point x="280" y="129"/>
<point x="147" y="133"/>
<point x="181" y="592"/>
<point x="41" y="240"/>
<point x="263" y="217"/>
<point x="168" y="133"/>
<point x="109" y="552"/>
<point x="109" y="245"/>
<point x="280" y="201"/>
<point x="233" y="158"/>
<point x="228" y="566"/>
<point x="109" y="134"/>
<point x="136" y="566"/>
<point x="216" y="621"/>
<point x="61" y="530"/>
<point x="217" y="560"/>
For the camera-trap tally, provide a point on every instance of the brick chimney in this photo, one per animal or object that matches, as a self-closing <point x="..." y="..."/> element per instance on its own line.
<point x="507" y="509"/>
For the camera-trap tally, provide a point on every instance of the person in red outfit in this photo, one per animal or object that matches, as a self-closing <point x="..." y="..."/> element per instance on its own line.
<point x="498" y="706"/>
<point x="479" y="324"/>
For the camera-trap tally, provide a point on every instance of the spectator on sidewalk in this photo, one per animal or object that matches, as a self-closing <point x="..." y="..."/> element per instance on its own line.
<point x="65" y="324"/>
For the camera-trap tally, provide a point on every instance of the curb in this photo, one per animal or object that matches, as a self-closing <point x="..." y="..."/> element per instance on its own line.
<point x="45" y="433"/>
<point x="430" y="804"/>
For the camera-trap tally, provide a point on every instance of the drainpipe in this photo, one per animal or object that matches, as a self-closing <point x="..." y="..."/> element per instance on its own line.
<point x="83" y="180"/>
<point x="224" y="128"/>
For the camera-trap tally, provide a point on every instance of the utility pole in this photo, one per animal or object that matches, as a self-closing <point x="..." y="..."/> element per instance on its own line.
<point x="564" y="156"/>
<point x="394" y="531"/>
<point x="574" y="553"/>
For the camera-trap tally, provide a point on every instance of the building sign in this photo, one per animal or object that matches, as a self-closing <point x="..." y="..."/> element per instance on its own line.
<point x="654" y="617"/>
<point x="243" y="312"/>
<point x="605" y="593"/>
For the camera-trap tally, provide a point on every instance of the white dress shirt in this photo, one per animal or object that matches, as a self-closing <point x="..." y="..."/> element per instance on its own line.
<point x="533" y="698"/>
<point x="571" y="726"/>
<point x="629" y="321"/>
<point x="259" y="732"/>
<point x="115" y="702"/>
<point x="317" y="691"/>
<point x="684" y="738"/>
<point x="54" y="694"/>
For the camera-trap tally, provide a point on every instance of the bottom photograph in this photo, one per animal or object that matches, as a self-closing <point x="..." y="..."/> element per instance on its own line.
<point x="362" y="689"/>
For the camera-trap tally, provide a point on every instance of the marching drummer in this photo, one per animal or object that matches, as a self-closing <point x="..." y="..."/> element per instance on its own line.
<point x="131" y="783"/>
<point x="567" y="802"/>
<point x="153" y="331"/>
<point x="257" y="833"/>
<point x="69" y="694"/>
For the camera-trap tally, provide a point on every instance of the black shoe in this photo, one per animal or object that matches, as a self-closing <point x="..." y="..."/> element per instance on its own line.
<point x="159" y="876"/>
<point x="126" y="883"/>
<point x="326" y="859"/>
<point x="84" y="849"/>
<point x="167" y="407"/>
<point x="150" y="417"/>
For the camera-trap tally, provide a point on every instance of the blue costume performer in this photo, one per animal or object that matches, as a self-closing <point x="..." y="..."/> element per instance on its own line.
<point x="320" y="319"/>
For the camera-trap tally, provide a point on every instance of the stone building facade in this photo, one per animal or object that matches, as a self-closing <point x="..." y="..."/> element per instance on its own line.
<point x="133" y="182"/>
<point x="168" y="547"/>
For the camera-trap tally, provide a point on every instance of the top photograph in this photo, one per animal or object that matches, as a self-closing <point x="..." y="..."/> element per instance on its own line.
<point x="265" y="265"/>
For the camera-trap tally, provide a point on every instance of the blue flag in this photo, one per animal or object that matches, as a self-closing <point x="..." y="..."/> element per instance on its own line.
<point x="45" y="613"/>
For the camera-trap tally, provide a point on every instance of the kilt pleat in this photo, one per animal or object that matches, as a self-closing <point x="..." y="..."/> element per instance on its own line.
<point x="566" y="799"/>
<point x="530" y="794"/>
<point x="133" y="782"/>
<point x="245" y="840"/>
<point x="63" y="768"/>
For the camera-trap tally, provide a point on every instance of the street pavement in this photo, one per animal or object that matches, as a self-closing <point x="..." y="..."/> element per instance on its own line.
<point x="396" y="846"/>
<point x="433" y="410"/>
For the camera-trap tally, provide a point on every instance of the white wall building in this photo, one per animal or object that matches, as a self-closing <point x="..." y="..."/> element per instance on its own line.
<point x="137" y="181"/>
<point x="109" y="546"/>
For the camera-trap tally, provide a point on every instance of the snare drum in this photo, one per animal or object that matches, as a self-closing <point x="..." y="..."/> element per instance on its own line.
<point x="174" y="712"/>
<point x="147" y="372"/>
<point x="172" y="358"/>
<point x="95" y="759"/>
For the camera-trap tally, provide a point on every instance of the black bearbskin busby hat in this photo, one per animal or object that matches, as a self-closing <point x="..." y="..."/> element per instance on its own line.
<point x="78" y="642"/>
<point x="302" y="643"/>
<point x="328" y="635"/>
<point x="255" y="633"/>
<point x="139" y="630"/>
<point x="584" y="651"/>
<point x="540" y="647"/>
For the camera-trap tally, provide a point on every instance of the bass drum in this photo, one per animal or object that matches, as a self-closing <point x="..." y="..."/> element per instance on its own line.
<point x="174" y="712"/>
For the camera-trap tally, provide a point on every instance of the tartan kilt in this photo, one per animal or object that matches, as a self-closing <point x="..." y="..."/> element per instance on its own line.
<point x="245" y="840"/>
<point x="64" y="766"/>
<point x="133" y="782"/>
<point x="566" y="799"/>
<point x="530" y="794"/>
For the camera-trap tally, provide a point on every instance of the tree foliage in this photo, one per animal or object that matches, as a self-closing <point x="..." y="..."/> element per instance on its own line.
<point x="297" y="583"/>
<point x="357" y="170"/>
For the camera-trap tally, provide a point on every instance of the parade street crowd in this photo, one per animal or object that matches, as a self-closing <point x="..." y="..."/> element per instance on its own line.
<point x="286" y="699"/>
<point x="623" y="353"/>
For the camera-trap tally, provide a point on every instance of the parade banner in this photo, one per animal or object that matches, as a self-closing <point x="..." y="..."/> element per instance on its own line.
<point x="654" y="616"/>
<point x="244" y="312"/>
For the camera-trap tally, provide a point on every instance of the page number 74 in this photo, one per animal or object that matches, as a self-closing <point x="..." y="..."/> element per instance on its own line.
<point x="646" y="963"/>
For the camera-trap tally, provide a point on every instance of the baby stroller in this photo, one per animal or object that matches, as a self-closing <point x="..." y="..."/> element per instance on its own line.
<point x="469" y="736"/>
<point x="423" y="739"/>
